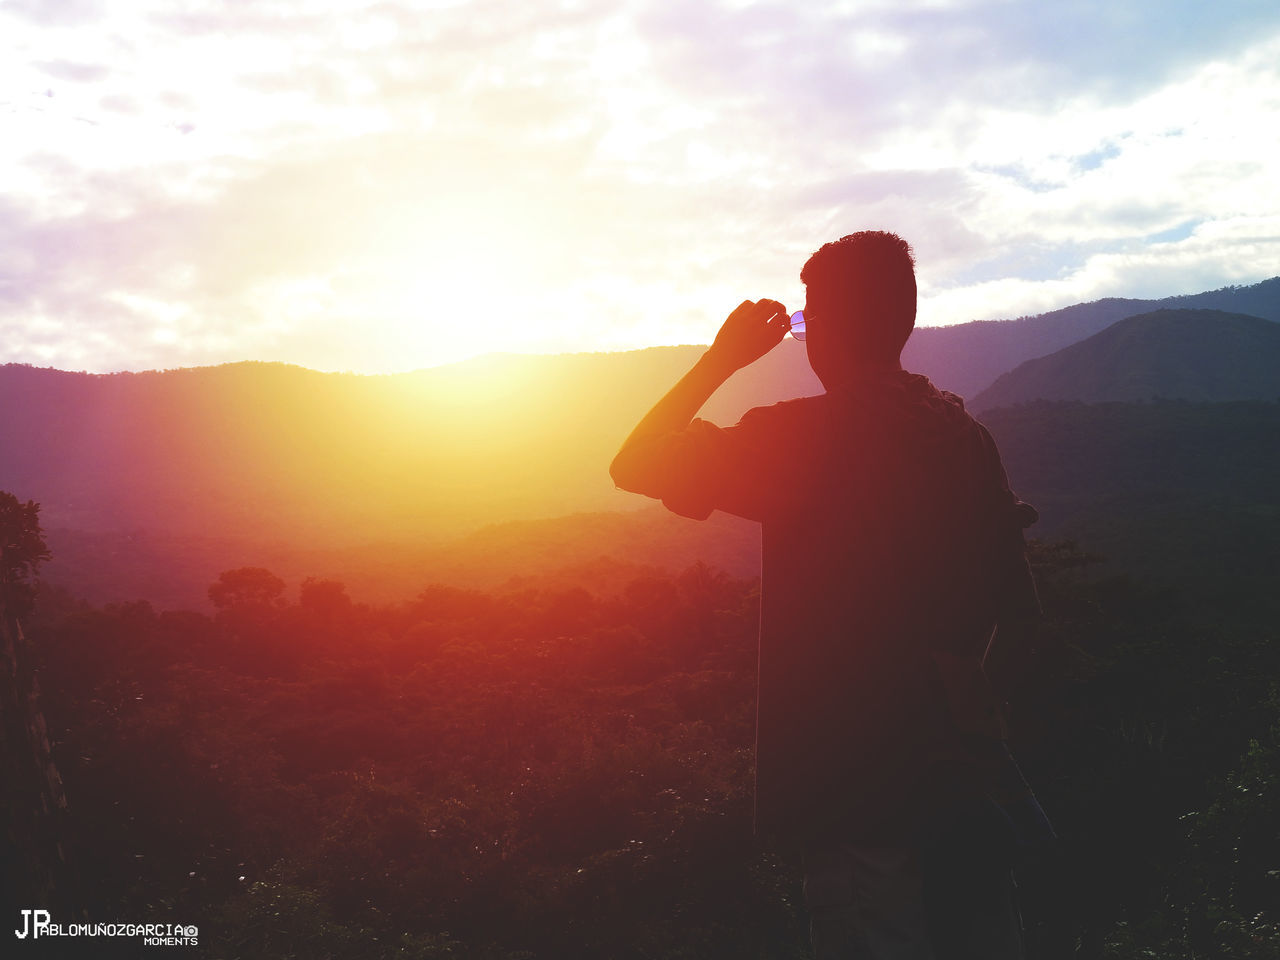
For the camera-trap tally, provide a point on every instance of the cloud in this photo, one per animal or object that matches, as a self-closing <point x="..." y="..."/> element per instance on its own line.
<point x="73" y="72"/>
<point x="263" y="182"/>
<point x="1214" y="255"/>
<point x="62" y="13"/>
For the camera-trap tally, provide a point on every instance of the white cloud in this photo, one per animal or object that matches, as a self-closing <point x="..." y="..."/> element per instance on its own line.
<point x="297" y="182"/>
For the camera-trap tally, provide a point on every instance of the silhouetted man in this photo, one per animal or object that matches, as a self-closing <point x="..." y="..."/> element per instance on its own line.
<point x="892" y="548"/>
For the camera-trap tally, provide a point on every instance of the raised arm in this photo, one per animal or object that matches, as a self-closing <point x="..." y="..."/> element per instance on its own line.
<point x="751" y="331"/>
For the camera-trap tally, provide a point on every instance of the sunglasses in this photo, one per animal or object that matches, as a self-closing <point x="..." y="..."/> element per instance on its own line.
<point x="797" y="325"/>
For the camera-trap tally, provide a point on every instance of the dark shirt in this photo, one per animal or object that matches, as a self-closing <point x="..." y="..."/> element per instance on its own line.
<point x="891" y="545"/>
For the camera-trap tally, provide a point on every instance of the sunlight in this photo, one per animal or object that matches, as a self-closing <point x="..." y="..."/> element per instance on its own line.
<point x="453" y="284"/>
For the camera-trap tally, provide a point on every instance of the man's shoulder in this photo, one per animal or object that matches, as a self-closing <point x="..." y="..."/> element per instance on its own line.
<point x="784" y="409"/>
<point x="779" y="419"/>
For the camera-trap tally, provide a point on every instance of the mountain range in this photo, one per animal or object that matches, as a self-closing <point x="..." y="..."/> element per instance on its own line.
<point x="311" y="473"/>
<point x="1183" y="354"/>
<point x="968" y="357"/>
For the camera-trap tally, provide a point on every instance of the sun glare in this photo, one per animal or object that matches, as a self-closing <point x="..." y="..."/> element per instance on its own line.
<point x="454" y="285"/>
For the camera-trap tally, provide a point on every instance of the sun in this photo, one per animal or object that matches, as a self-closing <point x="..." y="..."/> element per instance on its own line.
<point x="456" y="284"/>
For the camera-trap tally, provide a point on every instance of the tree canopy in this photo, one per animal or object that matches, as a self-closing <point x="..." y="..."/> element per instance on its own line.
<point x="22" y="550"/>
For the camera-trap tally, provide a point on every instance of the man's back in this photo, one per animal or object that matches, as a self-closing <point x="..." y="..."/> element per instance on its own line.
<point x="887" y="530"/>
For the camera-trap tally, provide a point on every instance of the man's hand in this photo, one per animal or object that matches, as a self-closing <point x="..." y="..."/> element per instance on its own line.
<point x="751" y="331"/>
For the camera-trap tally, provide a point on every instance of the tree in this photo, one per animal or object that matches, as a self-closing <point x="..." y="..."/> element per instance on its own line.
<point x="22" y="550"/>
<point x="326" y="598"/>
<point x="246" y="587"/>
<point x="32" y="868"/>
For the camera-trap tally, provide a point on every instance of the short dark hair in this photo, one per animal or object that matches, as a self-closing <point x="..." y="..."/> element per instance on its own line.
<point x="871" y="276"/>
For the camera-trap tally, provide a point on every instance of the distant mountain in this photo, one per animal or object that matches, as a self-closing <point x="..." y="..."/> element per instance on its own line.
<point x="967" y="358"/>
<point x="274" y="460"/>
<point x="1170" y="487"/>
<point x="1174" y="354"/>
<point x="269" y="452"/>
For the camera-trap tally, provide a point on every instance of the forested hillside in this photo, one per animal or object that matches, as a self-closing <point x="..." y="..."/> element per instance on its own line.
<point x="1168" y="354"/>
<point x="268" y="454"/>
<point x="560" y="772"/>
<point x="1158" y="485"/>
<point x="1168" y="488"/>
<point x="968" y="357"/>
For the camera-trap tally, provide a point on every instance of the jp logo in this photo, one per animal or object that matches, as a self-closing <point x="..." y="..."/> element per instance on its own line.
<point x="34" y="922"/>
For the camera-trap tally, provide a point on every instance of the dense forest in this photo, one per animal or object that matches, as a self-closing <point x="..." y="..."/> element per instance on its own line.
<point x="562" y="773"/>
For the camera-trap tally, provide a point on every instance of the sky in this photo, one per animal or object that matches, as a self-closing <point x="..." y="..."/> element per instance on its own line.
<point x="386" y="186"/>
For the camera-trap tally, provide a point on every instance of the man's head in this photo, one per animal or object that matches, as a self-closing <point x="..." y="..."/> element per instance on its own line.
<point x="860" y="303"/>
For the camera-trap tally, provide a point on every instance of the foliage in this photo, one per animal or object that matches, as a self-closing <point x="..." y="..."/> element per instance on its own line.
<point x="553" y="772"/>
<point x="252" y="587"/>
<point x="542" y="774"/>
<point x="325" y="598"/>
<point x="278" y="921"/>
<point x="22" y="550"/>
<point x="1131" y="728"/>
<point x="1158" y="488"/>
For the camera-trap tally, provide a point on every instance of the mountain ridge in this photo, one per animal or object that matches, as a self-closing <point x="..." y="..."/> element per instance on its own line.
<point x="962" y="357"/>
<point x="1171" y="354"/>
<point x="275" y="454"/>
<point x="971" y="358"/>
